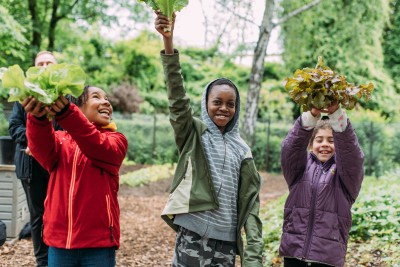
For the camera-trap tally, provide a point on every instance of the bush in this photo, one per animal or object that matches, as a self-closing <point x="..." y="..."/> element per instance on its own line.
<point x="376" y="212"/>
<point x="378" y="141"/>
<point x="144" y="147"/>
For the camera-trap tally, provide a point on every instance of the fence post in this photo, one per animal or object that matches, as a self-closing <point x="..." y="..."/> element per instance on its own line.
<point x="267" y="151"/>
<point x="153" y="150"/>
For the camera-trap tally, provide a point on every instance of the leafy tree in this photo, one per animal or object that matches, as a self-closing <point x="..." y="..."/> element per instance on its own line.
<point x="42" y="17"/>
<point x="348" y="36"/>
<point x="391" y="44"/>
<point x="12" y="40"/>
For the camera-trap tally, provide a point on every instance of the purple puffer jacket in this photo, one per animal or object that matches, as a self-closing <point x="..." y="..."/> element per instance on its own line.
<point x="317" y="217"/>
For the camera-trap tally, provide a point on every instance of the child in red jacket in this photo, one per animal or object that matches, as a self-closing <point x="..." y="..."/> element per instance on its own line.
<point x="81" y="218"/>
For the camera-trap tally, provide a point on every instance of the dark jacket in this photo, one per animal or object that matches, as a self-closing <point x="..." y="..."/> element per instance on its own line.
<point x="317" y="216"/>
<point x="17" y="130"/>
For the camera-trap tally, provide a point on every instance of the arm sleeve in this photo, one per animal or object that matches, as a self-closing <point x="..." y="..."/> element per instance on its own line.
<point x="255" y="243"/>
<point x="294" y="152"/>
<point x="42" y="142"/>
<point x="349" y="160"/>
<point x="107" y="150"/>
<point x="180" y="112"/>
<point x="17" y="125"/>
<point x="338" y="120"/>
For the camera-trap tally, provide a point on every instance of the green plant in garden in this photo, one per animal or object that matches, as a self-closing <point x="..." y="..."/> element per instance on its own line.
<point x="376" y="212"/>
<point x="320" y="87"/>
<point x="167" y="7"/>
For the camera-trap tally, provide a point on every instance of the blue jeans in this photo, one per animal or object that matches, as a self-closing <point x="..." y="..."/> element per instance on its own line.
<point x="84" y="257"/>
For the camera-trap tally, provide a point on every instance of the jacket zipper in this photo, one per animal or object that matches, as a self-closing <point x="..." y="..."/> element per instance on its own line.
<point x="70" y="199"/>
<point x="110" y="220"/>
<point x="312" y="213"/>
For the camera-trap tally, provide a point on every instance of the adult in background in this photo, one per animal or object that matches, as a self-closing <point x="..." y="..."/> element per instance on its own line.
<point x="33" y="177"/>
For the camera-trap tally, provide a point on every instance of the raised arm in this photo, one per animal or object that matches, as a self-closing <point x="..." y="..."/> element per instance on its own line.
<point x="294" y="152"/>
<point x="349" y="157"/>
<point x="40" y="134"/>
<point x="179" y="103"/>
<point x="106" y="149"/>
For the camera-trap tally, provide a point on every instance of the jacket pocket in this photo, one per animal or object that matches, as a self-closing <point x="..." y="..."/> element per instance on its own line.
<point x="327" y="226"/>
<point x="287" y="219"/>
<point x="180" y="174"/>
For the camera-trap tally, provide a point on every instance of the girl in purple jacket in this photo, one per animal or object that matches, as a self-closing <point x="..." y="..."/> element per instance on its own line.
<point x="323" y="184"/>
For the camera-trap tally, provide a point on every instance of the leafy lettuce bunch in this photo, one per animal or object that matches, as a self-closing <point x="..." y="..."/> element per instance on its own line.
<point x="320" y="87"/>
<point x="167" y="7"/>
<point x="44" y="84"/>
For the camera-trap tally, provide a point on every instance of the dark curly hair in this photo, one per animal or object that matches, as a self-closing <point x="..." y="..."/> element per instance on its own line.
<point x="80" y="100"/>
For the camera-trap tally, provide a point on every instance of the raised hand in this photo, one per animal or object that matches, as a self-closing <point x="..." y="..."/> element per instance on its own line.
<point x="161" y="23"/>
<point x="331" y="109"/>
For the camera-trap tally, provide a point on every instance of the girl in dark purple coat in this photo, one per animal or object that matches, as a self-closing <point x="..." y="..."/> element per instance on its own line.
<point x="323" y="184"/>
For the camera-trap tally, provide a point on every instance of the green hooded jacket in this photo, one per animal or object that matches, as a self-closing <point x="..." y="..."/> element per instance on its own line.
<point x="192" y="189"/>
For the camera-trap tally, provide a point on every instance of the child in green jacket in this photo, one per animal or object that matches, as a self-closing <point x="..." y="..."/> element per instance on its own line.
<point x="215" y="191"/>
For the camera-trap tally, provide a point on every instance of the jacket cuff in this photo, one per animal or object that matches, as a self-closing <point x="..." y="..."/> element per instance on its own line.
<point x="162" y="53"/>
<point x="308" y="121"/>
<point x="338" y="120"/>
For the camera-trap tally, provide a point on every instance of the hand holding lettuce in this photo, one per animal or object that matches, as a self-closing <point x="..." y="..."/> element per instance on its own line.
<point x="167" y="7"/>
<point x="44" y="84"/>
<point x="321" y="87"/>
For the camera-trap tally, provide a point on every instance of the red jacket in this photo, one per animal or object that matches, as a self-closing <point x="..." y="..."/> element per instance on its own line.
<point x="81" y="207"/>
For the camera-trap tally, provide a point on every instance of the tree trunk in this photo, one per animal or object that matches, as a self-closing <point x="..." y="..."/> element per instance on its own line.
<point x="53" y="24"/>
<point x="257" y="72"/>
<point x="36" y="29"/>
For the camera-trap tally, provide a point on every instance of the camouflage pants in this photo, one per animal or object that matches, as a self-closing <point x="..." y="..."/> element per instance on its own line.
<point x="191" y="250"/>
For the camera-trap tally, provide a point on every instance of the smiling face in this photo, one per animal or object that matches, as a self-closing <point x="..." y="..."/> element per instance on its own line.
<point x="221" y="105"/>
<point x="322" y="145"/>
<point x="97" y="108"/>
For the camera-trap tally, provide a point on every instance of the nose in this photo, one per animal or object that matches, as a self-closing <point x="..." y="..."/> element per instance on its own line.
<point x="105" y="101"/>
<point x="224" y="108"/>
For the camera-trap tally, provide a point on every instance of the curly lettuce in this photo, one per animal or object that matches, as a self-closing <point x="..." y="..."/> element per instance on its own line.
<point x="44" y="84"/>
<point x="321" y="87"/>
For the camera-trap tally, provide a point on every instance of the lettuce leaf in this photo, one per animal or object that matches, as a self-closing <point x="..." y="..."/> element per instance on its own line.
<point x="321" y="87"/>
<point x="167" y="7"/>
<point x="45" y="84"/>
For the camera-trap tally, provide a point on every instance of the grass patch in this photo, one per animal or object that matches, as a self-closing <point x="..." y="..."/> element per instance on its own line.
<point x="148" y="175"/>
